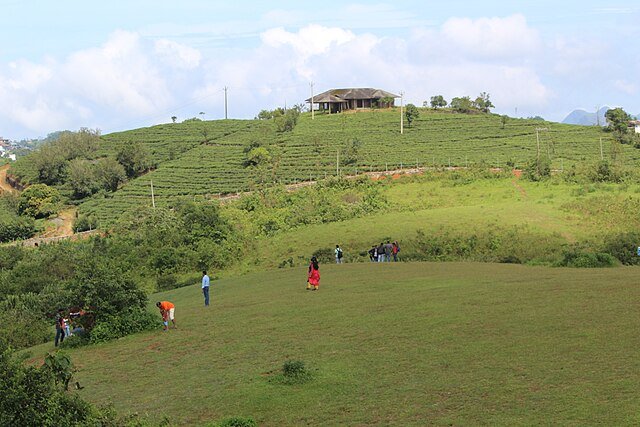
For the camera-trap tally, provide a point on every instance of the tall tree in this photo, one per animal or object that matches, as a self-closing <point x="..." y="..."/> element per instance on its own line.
<point x="438" y="101"/>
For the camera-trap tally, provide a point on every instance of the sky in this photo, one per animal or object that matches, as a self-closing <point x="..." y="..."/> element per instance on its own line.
<point x="126" y="64"/>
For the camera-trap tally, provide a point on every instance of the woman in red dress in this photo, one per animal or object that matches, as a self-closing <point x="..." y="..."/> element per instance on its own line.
<point x="313" y="278"/>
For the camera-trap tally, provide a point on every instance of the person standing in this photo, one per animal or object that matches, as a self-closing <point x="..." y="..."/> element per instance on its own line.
<point x="205" y="288"/>
<point x="388" y="249"/>
<point x="381" y="252"/>
<point x="59" y="327"/>
<point x="396" y="249"/>
<point x="313" y="276"/>
<point x="338" y="253"/>
<point x="167" y="311"/>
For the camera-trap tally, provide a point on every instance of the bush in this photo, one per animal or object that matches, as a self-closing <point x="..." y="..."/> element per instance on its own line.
<point x="85" y="223"/>
<point x="623" y="246"/>
<point x="39" y="201"/>
<point x="236" y="422"/>
<point x="538" y="169"/>
<point x="324" y="255"/>
<point x="35" y="396"/>
<point x="578" y="257"/>
<point x="125" y="323"/>
<point x="16" y="228"/>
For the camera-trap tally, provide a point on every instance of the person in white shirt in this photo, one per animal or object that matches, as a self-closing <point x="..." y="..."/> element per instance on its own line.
<point x="205" y="288"/>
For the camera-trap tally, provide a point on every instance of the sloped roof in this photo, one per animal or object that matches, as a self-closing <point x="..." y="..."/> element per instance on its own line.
<point x="342" y="95"/>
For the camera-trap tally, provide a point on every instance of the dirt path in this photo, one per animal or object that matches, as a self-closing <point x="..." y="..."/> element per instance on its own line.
<point x="4" y="185"/>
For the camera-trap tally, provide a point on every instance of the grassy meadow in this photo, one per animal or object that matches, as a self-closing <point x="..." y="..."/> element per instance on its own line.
<point x="547" y="216"/>
<point x="388" y="344"/>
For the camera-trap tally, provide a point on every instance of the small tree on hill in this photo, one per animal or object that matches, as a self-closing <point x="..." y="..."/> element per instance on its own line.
<point x="39" y="201"/>
<point x="483" y="103"/>
<point x="438" y="101"/>
<point x="411" y="113"/>
<point x="462" y="105"/>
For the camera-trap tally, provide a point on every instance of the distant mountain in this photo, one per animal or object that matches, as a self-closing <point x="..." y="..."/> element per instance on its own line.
<point x="585" y="118"/>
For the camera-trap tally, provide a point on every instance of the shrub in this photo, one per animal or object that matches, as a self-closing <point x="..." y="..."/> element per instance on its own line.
<point x="35" y="396"/>
<point x="16" y="228"/>
<point x="578" y="257"/>
<point x="623" y="246"/>
<point x="85" y="223"/>
<point x="39" y="201"/>
<point x="324" y="255"/>
<point x="125" y="323"/>
<point x="236" y="422"/>
<point x="538" y="169"/>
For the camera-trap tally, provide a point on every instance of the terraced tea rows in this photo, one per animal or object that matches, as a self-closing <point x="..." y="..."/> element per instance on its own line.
<point x="205" y="158"/>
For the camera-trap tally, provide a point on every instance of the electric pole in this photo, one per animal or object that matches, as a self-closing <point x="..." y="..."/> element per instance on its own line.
<point x="401" y="113"/>
<point x="312" y="116"/>
<point x="225" y="102"/>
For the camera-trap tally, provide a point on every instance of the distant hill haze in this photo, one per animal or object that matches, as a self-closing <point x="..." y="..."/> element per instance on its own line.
<point x="586" y="118"/>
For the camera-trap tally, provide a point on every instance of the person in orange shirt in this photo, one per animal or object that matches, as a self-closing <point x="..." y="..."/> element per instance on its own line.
<point x="167" y="310"/>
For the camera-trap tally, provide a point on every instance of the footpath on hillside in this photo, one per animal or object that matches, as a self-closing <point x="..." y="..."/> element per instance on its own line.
<point x="4" y="185"/>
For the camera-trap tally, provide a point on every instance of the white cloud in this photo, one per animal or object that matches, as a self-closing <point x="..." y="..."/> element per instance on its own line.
<point x="626" y="86"/>
<point x="178" y="55"/>
<point x="492" y="37"/>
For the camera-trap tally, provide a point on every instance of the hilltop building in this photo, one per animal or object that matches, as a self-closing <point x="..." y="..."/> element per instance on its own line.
<point x="336" y="100"/>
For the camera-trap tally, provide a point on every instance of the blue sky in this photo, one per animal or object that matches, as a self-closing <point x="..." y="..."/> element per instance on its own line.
<point x="118" y="65"/>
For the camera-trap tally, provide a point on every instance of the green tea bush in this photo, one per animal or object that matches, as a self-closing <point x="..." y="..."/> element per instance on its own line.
<point x="16" y="228"/>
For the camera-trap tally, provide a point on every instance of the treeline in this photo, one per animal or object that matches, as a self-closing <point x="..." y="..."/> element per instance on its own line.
<point x="70" y="164"/>
<point x="482" y="103"/>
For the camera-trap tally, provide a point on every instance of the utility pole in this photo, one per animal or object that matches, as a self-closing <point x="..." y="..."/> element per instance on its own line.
<point x="312" y="115"/>
<point x="153" y="198"/>
<point x="401" y="113"/>
<point x="225" y="102"/>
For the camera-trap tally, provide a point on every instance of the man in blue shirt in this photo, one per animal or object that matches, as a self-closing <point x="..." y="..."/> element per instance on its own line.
<point x="205" y="288"/>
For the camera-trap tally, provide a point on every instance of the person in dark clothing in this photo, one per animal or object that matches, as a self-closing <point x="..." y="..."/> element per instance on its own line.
<point x="373" y="253"/>
<point x="59" y="327"/>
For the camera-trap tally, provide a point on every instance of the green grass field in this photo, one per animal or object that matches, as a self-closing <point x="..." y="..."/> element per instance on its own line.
<point x="188" y="167"/>
<point x="390" y="344"/>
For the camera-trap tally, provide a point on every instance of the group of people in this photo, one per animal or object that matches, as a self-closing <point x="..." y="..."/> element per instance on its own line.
<point x="64" y="325"/>
<point x="168" y="309"/>
<point x="384" y="252"/>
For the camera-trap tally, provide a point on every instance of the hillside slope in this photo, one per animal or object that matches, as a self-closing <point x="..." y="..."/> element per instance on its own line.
<point x="190" y="167"/>
<point x="403" y="344"/>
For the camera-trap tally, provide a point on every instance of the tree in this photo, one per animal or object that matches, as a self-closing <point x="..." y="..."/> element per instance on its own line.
<point x="39" y="201"/>
<point x="82" y="178"/>
<point x="618" y="120"/>
<point x="386" y="102"/>
<point x="462" y="105"/>
<point x="109" y="173"/>
<point x="483" y="103"/>
<point x="174" y="118"/>
<point x="411" y="113"/>
<point x="437" y="101"/>
<point x="135" y="159"/>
